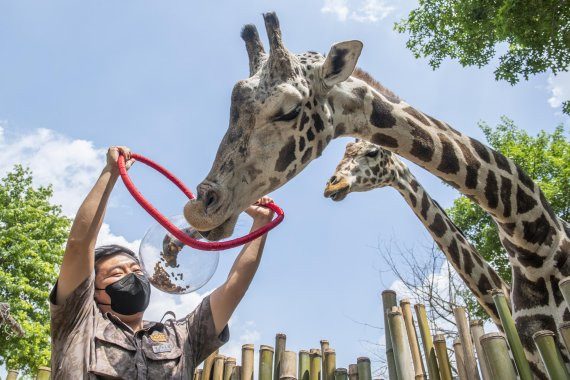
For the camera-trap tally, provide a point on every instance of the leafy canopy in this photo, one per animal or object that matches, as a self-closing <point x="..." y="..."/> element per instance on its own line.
<point x="546" y="159"/>
<point x="32" y="237"/>
<point x="532" y="36"/>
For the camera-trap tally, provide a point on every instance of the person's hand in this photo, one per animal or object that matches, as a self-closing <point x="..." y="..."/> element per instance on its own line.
<point x="261" y="214"/>
<point x="113" y="157"/>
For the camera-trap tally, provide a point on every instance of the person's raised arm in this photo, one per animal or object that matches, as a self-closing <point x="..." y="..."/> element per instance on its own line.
<point x="224" y="300"/>
<point x="78" y="259"/>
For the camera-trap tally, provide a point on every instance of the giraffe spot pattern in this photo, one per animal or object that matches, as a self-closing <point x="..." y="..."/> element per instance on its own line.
<point x="538" y="232"/>
<point x="318" y="123"/>
<point x="381" y="115"/>
<point x="454" y="252"/>
<point x="413" y="200"/>
<point x="301" y="144"/>
<point x="416" y="114"/>
<point x="556" y="293"/>
<point x="306" y="155"/>
<point x="524" y="256"/>
<point x="425" y="206"/>
<point x="491" y="190"/>
<point x="339" y="130"/>
<point x="449" y="162"/>
<point x="561" y="258"/>
<point x="319" y="148"/>
<point x="484" y="285"/>
<point x="525" y="202"/>
<point x="384" y="140"/>
<point x="508" y="228"/>
<point x="524" y="178"/>
<point x="422" y="145"/>
<point x="527" y="294"/>
<point x="310" y="134"/>
<point x="481" y="150"/>
<point x="286" y="155"/>
<point x="531" y="324"/>
<point x="437" y="123"/>
<point x="546" y="206"/>
<point x="438" y="226"/>
<point x="501" y="161"/>
<point x="495" y="277"/>
<point x="506" y="196"/>
<point x="472" y="166"/>
<point x="467" y="261"/>
<point x="304" y="120"/>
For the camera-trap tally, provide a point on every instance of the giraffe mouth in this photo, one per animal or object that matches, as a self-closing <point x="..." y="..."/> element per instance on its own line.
<point x="338" y="191"/>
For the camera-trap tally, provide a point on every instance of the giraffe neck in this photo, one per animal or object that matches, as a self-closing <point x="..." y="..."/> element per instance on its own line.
<point x="475" y="272"/>
<point x="529" y="230"/>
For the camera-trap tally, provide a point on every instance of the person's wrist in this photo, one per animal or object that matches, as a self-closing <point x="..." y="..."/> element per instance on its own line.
<point x="112" y="169"/>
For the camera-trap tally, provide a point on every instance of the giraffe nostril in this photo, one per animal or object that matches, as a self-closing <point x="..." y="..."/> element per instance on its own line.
<point x="333" y="180"/>
<point x="211" y="198"/>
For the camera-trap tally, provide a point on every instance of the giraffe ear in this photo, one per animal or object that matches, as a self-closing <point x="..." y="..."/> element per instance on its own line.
<point x="340" y="62"/>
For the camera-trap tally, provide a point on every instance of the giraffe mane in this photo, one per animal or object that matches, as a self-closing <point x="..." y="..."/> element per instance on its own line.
<point x="363" y="75"/>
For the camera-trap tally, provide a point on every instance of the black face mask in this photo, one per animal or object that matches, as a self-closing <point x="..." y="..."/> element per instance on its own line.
<point x="129" y="295"/>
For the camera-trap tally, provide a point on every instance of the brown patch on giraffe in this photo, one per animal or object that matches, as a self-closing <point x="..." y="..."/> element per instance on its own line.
<point x="438" y="123"/>
<point x="304" y="120"/>
<point x="509" y="228"/>
<point x="484" y="285"/>
<point x="301" y="144"/>
<point x="467" y="261"/>
<point x="339" y="130"/>
<point x="422" y="146"/>
<point x="310" y="134"/>
<point x="438" y="226"/>
<point x="561" y="258"/>
<point x="425" y="206"/>
<point x="416" y="114"/>
<point x="286" y="155"/>
<point x="319" y="148"/>
<point x="363" y="75"/>
<point x="273" y="182"/>
<point x="472" y="166"/>
<point x="381" y="115"/>
<point x="505" y="194"/>
<point x="307" y="155"/>
<point x="556" y="293"/>
<point x="525" y="202"/>
<point x="414" y="184"/>
<point x="413" y="200"/>
<point x="525" y="257"/>
<point x="318" y="123"/>
<point x="546" y="206"/>
<point x="481" y="150"/>
<point x="538" y="232"/>
<point x="530" y="324"/>
<point x="527" y="294"/>
<point x="291" y="173"/>
<point x="384" y="140"/>
<point x="449" y="163"/>
<point x="491" y="190"/>
<point x="524" y="178"/>
<point x="495" y="278"/>
<point x="454" y="252"/>
<point x="478" y="259"/>
<point x="501" y="161"/>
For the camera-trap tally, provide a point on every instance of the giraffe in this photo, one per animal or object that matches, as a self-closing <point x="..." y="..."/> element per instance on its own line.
<point x="292" y="105"/>
<point x="366" y="166"/>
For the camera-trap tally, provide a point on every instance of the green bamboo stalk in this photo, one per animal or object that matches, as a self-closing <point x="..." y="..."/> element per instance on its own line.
<point x="218" y="370"/>
<point x="477" y="331"/>
<point x="353" y="372"/>
<point x="442" y="358"/>
<point x="340" y="374"/>
<point x="288" y="366"/>
<point x="229" y="365"/>
<point x="198" y="374"/>
<point x="265" y="362"/>
<point x="12" y="374"/>
<point x="246" y="362"/>
<point x="304" y="365"/>
<point x="402" y="355"/>
<point x="564" y="329"/>
<point x="330" y="363"/>
<point x="496" y="355"/>
<point x="469" y="361"/>
<point x="315" y="372"/>
<point x="236" y="373"/>
<point x="389" y="301"/>
<point x="419" y="368"/>
<point x="364" y="370"/>
<point x="280" y="344"/>
<point x="208" y="364"/>
<point x="459" y="360"/>
<point x="512" y="336"/>
<point x="324" y="348"/>
<point x="550" y="354"/>
<point x="44" y="373"/>
<point x="427" y="342"/>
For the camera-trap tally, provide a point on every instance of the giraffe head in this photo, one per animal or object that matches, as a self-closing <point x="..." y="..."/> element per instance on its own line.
<point x="279" y="121"/>
<point x="364" y="166"/>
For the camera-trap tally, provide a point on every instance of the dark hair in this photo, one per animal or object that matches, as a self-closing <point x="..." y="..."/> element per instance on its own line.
<point x="110" y="250"/>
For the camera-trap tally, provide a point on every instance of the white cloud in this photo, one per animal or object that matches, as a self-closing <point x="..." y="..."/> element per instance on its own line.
<point x="365" y="11"/>
<point x="559" y="87"/>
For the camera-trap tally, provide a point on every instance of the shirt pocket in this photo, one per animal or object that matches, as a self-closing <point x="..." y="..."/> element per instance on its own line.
<point x="114" y="355"/>
<point x="165" y="361"/>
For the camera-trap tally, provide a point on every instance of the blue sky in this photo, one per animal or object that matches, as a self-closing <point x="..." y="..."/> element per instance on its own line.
<point x="77" y="77"/>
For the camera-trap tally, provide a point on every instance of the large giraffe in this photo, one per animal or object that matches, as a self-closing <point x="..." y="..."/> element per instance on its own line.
<point x="366" y="166"/>
<point x="292" y="105"/>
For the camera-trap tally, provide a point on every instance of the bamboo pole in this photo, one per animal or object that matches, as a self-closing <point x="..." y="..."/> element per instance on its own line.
<point x="364" y="370"/>
<point x="550" y="354"/>
<point x="564" y="329"/>
<point x="12" y="374"/>
<point x="265" y="362"/>
<point x="208" y="364"/>
<point x="330" y="363"/>
<point x="198" y="374"/>
<point x="288" y="366"/>
<point x="315" y="372"/>
<point x="442" y="358"/>
<point x="324" y="348"/>
<point x="477" y="331"/>
<point x="353" y="372"/>
<point x="402" y="354"/>
<point x="247" y="362"/>
<point x="304" y="365"/>
<point x="44" y="373"/>
<point x="218" y="370"/>
<point x="459" y="360"/>
<point x="340" y="374"/>
<point x="564" y="285"/>
<point x="280" y="344"/>
<point x="389" y="301"/>
<point x="413" y="339"/>
<point x="512" y="336"/>
<point x="236" y="373"/>
<point x="427" y="342"/>
<point x="470" y="362"/>
<point x="229" y="365"/>
<point x="496" y="355"/>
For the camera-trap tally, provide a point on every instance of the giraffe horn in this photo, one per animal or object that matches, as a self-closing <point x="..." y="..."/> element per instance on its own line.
<point x="254" y="47"/>
<point x="273" y="33"/>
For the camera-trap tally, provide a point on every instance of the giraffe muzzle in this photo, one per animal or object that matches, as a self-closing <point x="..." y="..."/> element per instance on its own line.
<point x="337" y="189"/>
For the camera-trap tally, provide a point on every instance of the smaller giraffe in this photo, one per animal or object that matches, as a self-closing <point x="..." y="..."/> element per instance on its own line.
<point x="366" y="166"/>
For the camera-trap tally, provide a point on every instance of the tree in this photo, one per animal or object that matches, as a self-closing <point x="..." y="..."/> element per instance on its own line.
<point x="532" y="36"/>
<point x="546" y="159"/>
<point x="32" y="237"/>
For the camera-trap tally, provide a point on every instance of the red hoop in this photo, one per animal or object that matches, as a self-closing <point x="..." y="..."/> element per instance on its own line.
<point x="205" y="246"/>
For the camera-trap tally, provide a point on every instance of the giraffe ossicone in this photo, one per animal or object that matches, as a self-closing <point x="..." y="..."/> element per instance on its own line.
<point x="284" y="115"/>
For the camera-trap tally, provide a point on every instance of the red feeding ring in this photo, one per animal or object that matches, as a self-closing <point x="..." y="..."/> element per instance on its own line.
<point x="175" y="231"/>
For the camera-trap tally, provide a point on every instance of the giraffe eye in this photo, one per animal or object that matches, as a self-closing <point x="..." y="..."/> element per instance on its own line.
<point x="372" y="153"/>
<point x="289" y="116"/>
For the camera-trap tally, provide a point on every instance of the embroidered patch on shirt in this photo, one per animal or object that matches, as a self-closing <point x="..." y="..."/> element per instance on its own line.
<point x="162" y="348"/>
<point x="158" y="337"/>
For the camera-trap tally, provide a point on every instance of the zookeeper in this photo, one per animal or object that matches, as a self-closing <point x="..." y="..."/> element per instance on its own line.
<point x="98" y="303"/>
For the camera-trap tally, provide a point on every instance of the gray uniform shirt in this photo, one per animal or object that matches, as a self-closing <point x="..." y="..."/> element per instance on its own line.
<point x="87" y="344"/>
